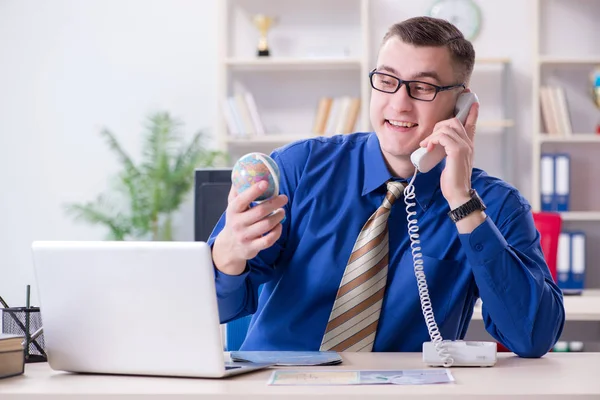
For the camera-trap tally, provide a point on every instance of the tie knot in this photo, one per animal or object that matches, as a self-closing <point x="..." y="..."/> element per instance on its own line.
<point x="395" y="190"/>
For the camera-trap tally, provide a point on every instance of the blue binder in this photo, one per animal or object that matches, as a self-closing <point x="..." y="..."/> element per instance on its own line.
<point x="571" y="262"/>
<point x="563" y="261"/>
<point x="577" y="271"/>
<point x="562" y="181"/>
<point x="547" y="182"/>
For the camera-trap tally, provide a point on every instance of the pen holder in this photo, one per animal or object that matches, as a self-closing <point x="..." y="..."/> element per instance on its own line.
<point x="15" y="320"/>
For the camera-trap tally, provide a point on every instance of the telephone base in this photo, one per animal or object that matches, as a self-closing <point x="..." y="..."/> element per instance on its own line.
<point x="464" y="353"/>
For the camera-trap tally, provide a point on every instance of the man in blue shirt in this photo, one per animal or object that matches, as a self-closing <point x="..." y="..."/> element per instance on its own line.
<point x="330" y="186"/>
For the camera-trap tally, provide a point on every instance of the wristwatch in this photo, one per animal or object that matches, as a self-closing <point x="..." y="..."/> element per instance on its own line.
<point x="475" y="204"/>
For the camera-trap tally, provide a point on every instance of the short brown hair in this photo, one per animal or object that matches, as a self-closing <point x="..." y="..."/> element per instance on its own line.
<point x="435" y="32"/>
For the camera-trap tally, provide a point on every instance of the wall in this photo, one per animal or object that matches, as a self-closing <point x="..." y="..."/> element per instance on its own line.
<point x="70" y="68"/>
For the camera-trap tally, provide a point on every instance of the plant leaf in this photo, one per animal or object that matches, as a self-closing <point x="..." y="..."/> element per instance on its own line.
<point x="99" y="212"/>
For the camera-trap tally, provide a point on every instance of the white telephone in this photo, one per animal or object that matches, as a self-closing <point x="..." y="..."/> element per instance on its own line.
<point x="424" y="160"/>
<point x="441" y="352"/>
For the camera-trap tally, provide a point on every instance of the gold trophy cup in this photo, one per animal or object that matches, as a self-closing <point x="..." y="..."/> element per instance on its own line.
<point x="263" y="23"/>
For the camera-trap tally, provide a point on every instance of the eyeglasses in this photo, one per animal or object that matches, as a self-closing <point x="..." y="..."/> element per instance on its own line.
<point x="416" y="89"/>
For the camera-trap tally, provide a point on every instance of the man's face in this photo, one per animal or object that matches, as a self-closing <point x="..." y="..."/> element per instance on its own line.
<point x="400" y="121"/>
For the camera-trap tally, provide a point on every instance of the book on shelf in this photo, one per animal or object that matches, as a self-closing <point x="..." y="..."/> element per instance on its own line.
<point x="337" y="115"/>
<point x="323" y="109"/>
<point x="12" y="355"/>
<point x="555" y="111"/>
<point x="242" y="116"/>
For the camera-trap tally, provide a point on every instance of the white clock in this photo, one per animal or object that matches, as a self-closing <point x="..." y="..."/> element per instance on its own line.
<point x="464" y="14"/>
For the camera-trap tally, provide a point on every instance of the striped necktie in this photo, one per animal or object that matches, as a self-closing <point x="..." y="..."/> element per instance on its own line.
<point x="353" y="320"/>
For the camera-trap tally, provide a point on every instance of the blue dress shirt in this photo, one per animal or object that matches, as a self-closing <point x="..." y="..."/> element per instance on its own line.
<point x="334" y="184"/>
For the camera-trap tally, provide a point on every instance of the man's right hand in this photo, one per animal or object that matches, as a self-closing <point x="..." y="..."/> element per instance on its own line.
<point x="248" y="230"/>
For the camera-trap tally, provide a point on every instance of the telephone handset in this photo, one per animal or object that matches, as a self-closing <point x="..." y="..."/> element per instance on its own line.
<point x="424" y="160"/>
<point x="440" y="352"/>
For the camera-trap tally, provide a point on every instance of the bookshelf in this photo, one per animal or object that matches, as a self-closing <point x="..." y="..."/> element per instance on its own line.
<point x="565" y="53"/>
<point x="302" y="68"/>
<point x="288" y="84"/>
<point x="491" y="80"/>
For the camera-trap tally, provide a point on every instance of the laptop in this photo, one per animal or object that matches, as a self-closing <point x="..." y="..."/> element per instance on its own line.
<point x="133" y="308"/>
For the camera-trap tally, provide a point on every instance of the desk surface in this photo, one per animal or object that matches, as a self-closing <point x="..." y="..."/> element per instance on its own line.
<point x="556" y="375"/>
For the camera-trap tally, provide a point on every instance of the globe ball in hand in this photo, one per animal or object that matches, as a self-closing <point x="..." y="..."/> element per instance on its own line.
<point x="253" y="168"/>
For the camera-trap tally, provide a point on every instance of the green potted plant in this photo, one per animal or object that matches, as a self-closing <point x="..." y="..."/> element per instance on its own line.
<point x="150" y="192"/>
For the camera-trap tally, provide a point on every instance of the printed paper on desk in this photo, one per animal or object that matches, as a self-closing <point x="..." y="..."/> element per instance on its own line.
<point x="341" y="377"/>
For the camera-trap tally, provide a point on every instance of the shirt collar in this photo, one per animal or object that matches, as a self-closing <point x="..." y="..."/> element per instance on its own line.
<point x="376" y="174"/>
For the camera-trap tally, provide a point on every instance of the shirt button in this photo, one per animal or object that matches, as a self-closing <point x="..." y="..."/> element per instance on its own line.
<point x="478" y="247"/>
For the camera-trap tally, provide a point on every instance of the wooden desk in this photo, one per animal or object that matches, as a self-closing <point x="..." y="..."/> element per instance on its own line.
<point x="554" y="376"/>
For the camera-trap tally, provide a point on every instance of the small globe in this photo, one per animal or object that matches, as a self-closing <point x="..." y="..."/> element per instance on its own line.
<point x="595" y="81"/>
<point x="253" y="168"/>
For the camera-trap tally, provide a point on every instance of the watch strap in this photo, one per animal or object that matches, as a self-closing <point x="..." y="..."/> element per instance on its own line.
<point x="474" y="204"/>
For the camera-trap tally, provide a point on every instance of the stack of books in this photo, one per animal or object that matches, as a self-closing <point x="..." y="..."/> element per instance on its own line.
<point x="555" y="111"/>
<point x="336" y="115"/>
<point x="12" y="355"/>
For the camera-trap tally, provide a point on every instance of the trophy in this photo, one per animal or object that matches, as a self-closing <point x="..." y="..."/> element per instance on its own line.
<point x="595" y="87"/>
<point x="263" y="23"/>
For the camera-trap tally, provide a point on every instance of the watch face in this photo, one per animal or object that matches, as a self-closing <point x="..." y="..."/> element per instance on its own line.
<point x="464" y="14"/>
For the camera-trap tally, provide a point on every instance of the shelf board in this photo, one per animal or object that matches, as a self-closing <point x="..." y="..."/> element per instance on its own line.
<point x="259" y="64"/>
<point x="268" y="139"/>
<point x="584" y="307"/>
<point x="317" y="63"/>
<point x="581" y="216"/>
<point x="569" y="60"/>
<point x="574" y="138"/>
<point x="492" y="60"/>
<point x="278" y="138"/>
<point x="499" y="123"/>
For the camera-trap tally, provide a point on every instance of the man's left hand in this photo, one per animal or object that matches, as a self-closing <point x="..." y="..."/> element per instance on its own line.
<point x="458" y="141"/>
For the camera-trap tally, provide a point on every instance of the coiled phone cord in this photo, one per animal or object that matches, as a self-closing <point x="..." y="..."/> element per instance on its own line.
<point x="413" y="232"/>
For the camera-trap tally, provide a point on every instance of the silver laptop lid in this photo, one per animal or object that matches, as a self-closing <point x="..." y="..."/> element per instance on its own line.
<point x="129" y="307"/>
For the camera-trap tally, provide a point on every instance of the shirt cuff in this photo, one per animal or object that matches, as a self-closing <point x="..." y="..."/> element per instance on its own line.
<point x="484" y="243"/>
<point x="225" y="283"/>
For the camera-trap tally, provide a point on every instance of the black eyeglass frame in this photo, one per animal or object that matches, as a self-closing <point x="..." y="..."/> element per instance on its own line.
<point x="405" y="83"/>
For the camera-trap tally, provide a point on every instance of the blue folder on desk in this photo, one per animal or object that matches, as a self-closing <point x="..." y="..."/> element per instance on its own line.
<point x="288" y="358"/>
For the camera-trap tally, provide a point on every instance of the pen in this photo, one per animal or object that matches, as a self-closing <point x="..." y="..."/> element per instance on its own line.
<point x="4" y="304"/>
<point x="27" y="302"/>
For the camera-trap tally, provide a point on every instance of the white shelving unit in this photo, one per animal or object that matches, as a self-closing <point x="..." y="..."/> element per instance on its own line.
<point x="566" y="50"/>
<point x="288" y="84"/>
<point x="500" y="124"/>
<point x="547" y="64"/>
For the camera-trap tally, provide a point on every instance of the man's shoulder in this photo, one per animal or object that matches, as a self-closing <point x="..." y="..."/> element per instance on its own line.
<point x="498" y="193"/>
